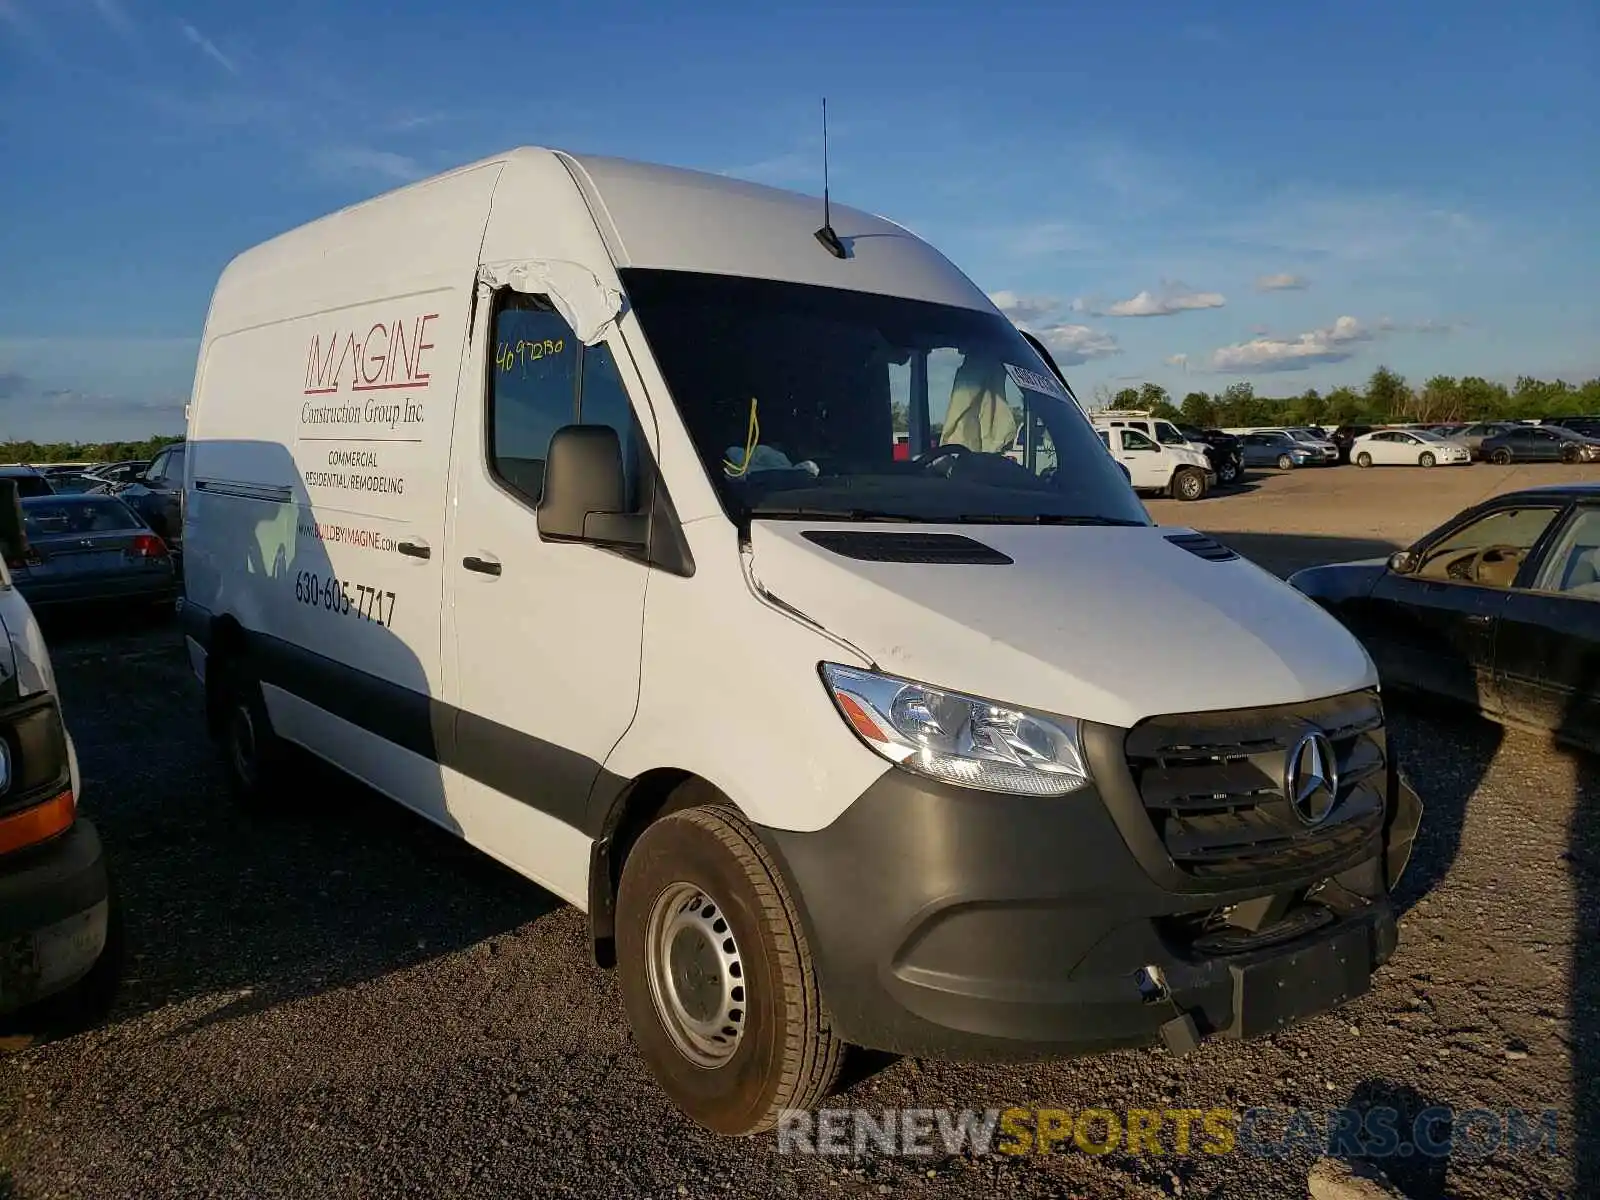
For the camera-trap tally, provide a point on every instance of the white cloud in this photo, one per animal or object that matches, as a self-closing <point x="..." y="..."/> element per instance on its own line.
<point x="1283" y="282"/>
<point x="1171" y="299"/>
<point x="1075" y="344"/>
<point x="207" y="47"/>
<point x="363" y="162"/>
<point x="1045" y="238"/>
<point x="1336" y="343"/>
<point x="1395" y="230"/>
<point x="114" y="15"/>
<point x="1025" y="309"/>
<point x="25" y="29"/>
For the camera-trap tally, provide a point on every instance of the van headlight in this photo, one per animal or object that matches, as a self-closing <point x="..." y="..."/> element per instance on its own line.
<point x="956" y="738"/>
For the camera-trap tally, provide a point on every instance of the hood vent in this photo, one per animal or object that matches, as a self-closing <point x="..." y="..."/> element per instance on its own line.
<point x="1201" y="546"/>
<point x="946" y="549"/>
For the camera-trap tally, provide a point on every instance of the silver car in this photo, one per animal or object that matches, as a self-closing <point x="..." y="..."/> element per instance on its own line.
<point x="1276" y="449"/>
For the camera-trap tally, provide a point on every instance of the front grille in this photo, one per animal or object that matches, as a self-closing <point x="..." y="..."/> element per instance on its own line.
<point x="1213" y="785"/>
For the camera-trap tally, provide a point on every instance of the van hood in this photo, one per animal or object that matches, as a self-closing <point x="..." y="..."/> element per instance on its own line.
<point x="1085" y="621"/>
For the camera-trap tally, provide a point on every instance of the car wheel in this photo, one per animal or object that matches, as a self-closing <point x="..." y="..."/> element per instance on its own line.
<point x="1500" y="457"/>
<point x="1426" y="459"/>
<point x="716" y="975"/>
<point x="1188" y="484"/>
<point x="252" y="751"/>
<point x="1363" y="459"/>
<point x="1569" y="454"/>
<point x="1285" y="463"/>
<point x="1227" y="471"/>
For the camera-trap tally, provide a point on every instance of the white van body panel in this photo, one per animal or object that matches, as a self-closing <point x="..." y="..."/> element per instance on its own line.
<point x="320" y="431"/>
<point x="667" y="217"/>
<point x="1047" y="633"/>
<point x="731" y="692"/>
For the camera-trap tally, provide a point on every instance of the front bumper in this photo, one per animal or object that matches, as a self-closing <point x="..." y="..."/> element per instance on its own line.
<point x="54" y="912"/>
<point x="958" y="924"/>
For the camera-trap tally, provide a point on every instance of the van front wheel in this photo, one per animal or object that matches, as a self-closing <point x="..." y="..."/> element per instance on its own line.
<point x="716" y="976"/>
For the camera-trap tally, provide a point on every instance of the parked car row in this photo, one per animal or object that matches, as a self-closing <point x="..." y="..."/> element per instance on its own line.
<point x="60" y="923"/>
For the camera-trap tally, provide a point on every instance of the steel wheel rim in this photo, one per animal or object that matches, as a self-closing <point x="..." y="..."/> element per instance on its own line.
<point x="1190" y="487"/>
<point x="696" y="974"/>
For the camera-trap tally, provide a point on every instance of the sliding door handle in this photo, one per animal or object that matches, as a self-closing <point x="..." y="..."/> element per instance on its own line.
<point x="415" y="550"/>
<point x="484" y="566"/>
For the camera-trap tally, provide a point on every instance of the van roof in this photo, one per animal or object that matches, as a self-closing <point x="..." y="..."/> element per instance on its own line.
<point x="650" y="216"/>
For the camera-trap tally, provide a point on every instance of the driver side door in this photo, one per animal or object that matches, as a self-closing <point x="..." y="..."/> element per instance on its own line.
<point x="1433" y="629"/>
<point x="1147" y="465"/>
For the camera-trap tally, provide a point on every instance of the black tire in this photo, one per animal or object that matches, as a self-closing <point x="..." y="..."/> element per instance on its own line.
<point x="1188" y="484"/>
<point x="786" y="1055"/>
<point x="1426" y="459"/>
<point x="1569" y="454"/>
<point x="90" y="1000"/>
<point x="1500" y="457"/>
<point x="1285" y="463"/>
<point x="1363" y="460"/>
<point x="252" y="752"/>
<point x="1227" y="472"/>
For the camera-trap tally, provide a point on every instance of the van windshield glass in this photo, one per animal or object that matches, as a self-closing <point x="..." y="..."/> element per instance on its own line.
<point x="806" y="401"/>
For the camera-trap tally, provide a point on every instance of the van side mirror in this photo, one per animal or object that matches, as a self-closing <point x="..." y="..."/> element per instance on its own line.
<point x="13" y="534"/>
<point x="585" y="490"/>
<point x="1403" y="562"/>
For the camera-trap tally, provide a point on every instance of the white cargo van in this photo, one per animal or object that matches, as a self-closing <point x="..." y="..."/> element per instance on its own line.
<point x="557" y="498"/>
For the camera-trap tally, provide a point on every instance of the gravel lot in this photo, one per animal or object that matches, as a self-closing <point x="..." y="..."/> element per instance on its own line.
<point x="338" y="1000"/>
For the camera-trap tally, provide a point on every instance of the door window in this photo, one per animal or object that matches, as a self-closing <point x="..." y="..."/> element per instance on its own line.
<point x="1168" y="435"/>
<point x="1489" y="551"/>
<point x="1132" y="439"/>
<point x="1573" y="564"/>
<point x="542" y="378"/>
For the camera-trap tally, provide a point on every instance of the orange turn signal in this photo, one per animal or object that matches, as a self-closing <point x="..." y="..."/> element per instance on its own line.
<point x="39" y="823"/>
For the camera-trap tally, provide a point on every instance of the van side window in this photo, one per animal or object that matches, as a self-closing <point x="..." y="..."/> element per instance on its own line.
<point x="542" y="378"/>
<point x="533" y="390"/>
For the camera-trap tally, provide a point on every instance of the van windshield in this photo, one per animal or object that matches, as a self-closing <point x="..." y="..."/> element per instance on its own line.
<point x="814" y="402"/>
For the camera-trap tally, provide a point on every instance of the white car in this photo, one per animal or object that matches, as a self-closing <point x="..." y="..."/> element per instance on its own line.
<point x="1407" y="448"/>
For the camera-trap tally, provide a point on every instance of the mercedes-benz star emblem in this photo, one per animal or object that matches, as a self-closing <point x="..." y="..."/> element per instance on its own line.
<point x="1311" y="778"/>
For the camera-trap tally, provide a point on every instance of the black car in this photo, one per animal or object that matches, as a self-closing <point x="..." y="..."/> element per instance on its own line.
<point x="156" y="494"/>
<point x="1499" y="608"/>
<point x="1223" y="452"/>
<point x="1344" y="435"/>
<point x="1539" y="443"/>
<point x="29" y="481"/>
<point x="85" y="549"/>
<point x="1588" y="427"/>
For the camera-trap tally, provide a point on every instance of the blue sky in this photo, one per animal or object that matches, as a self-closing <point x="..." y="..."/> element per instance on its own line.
<point x="1284" y="193"/>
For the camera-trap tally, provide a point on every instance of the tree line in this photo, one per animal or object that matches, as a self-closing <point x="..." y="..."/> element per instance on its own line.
<point x="98" y="452"/>
<point x="1386" y="399"/>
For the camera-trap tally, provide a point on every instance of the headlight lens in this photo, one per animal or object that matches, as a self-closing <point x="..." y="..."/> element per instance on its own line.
<point x="956" y="738"/>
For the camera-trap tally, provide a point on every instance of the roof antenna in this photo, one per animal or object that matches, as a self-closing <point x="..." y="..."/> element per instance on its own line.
<point x="830" y="240"/>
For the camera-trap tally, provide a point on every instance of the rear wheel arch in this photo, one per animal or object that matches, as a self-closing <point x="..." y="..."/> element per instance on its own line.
<point x="225" y="647"/>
